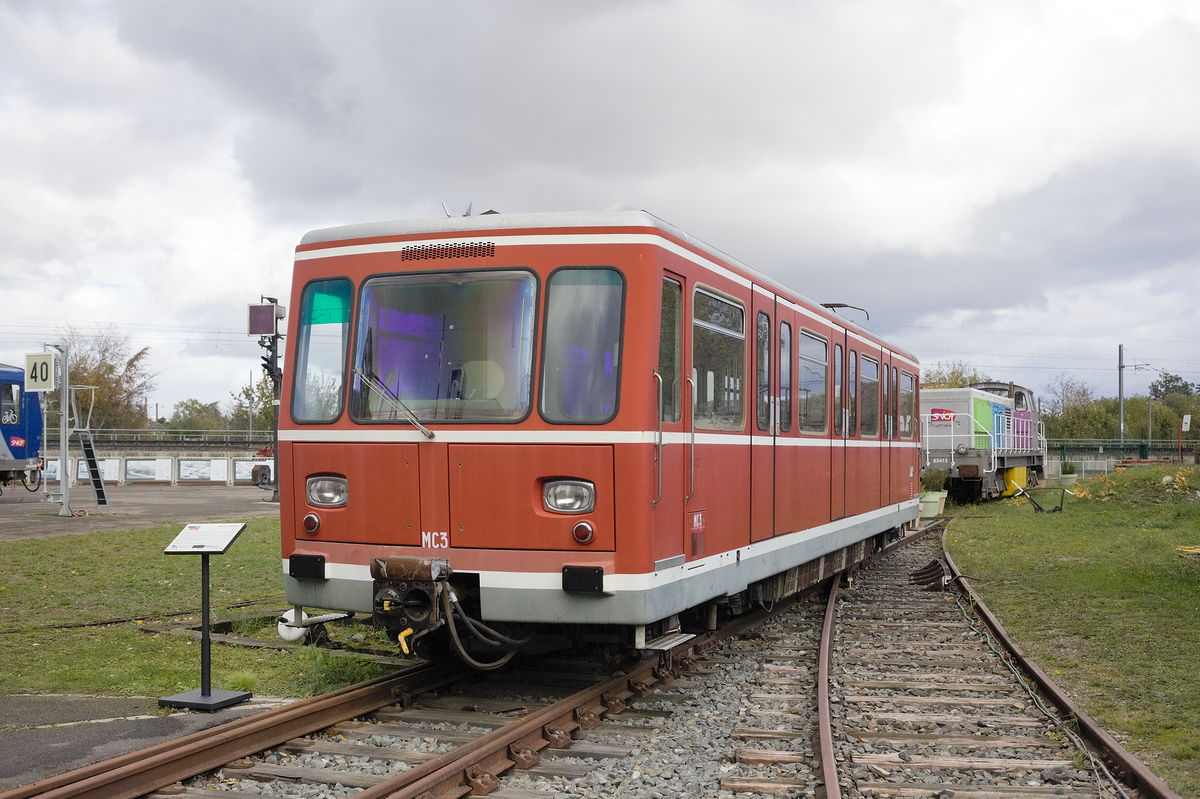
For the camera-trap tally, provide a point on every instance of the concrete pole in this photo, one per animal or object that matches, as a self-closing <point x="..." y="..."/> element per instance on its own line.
<point x="64" y="431"/>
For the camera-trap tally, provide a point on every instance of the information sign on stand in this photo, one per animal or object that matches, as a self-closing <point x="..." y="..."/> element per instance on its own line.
<point x="205" y="540"/>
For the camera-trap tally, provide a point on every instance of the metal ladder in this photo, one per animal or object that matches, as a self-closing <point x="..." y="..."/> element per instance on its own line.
<point x="93" y="464"/>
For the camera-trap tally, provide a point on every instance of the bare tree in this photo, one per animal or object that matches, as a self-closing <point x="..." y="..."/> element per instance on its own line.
<point x="122" y="379"/>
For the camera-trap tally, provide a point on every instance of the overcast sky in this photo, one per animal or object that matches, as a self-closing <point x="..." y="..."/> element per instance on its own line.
<point x="1015" y="185"/>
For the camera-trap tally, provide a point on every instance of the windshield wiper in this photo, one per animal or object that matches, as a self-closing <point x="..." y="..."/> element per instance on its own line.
<point x="394" y="402"/>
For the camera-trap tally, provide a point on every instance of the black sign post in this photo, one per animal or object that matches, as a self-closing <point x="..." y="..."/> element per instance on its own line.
<point x="205" y="540"/>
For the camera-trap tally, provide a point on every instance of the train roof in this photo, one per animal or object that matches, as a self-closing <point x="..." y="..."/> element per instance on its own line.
<point x="619" y="215"/>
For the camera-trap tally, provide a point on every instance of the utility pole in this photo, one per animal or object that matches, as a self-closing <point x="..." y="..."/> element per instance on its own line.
<point x="1121" y="399"/>
<point x="264" y="323"/>
<point x="64" y="430"/>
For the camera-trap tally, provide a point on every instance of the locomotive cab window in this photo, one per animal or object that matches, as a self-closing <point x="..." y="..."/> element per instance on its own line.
<point x="445" y="347"/>
<point x="582" y="345"/>
<point x="321" y="351"/>
<point x="718" y="362"/>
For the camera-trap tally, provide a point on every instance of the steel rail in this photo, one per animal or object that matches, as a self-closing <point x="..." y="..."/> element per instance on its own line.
<point x="829" y="770"/>
<point x="473" y="768"/>
<point x="138" y="773"/>
<point x="1132" y="770"/>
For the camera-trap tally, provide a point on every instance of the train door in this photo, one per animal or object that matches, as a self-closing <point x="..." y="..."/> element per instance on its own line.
<point x="670" y="438"/>
<point x="870" y="451"/>
<point x="837" y="449"/>
<point x="885" y="426"/>
<point x="763" y="428"/>
<point x="717" y="461"/>
<point x="787" y="453"/>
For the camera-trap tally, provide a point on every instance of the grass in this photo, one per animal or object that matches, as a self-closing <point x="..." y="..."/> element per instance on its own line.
<point x="73" y="613"/>
<point x="1101" y="598"/>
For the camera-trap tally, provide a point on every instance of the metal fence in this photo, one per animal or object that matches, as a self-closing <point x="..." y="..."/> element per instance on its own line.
<point x="1101" y="456"/>
<point x="156" y="439"/>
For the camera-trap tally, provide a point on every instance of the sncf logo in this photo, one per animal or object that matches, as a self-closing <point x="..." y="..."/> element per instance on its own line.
<point x="16" y="442"/>
<point x="941" y="415"/>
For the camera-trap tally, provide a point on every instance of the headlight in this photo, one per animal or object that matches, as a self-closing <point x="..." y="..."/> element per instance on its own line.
<point x="327" y="492"/>
<point x="569" y="496"/>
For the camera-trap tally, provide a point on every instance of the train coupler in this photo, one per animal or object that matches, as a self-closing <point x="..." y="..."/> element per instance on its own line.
<point x="406" y="595"/>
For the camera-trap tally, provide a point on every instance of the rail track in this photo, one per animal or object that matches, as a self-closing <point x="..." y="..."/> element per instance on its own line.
<point x="891" y="687"/>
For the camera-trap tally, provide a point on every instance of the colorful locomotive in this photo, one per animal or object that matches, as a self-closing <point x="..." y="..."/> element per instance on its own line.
<point x="20" y="430"/>
<point x="582" y="426"/>
<point x="986" y="436"/>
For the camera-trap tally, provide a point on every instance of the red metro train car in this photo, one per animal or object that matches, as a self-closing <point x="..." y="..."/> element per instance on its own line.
<point x="517" y="430"/>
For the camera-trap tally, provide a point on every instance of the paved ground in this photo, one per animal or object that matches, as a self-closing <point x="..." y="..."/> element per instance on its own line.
<point x="25" y="515"/>
<point x="42" y="736"/>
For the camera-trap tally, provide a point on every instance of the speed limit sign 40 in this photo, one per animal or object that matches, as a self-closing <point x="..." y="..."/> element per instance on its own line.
<point x="40" y="372"/>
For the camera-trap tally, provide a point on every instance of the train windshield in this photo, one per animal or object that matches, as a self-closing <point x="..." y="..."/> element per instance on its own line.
<point x="582" y="345"/>
<point x="448" y="347"/>
<point x="321" y="351"/>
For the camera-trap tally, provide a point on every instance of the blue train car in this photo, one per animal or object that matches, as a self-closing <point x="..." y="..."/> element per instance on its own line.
<point x="20" y="430"/>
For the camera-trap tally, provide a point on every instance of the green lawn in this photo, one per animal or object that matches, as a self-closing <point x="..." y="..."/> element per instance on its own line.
<point x="74" y="611"/>
<point x="1097" y="594"/>
<point x="1102" y="599"/>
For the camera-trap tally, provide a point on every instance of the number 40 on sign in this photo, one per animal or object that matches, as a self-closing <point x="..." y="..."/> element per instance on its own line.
<point x="40" y="374"/>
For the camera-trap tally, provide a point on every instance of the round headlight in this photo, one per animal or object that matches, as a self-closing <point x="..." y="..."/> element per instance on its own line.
<point x="326" y="491"/>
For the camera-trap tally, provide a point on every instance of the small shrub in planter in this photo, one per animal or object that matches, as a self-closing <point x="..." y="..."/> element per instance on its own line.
<point x="1066" y="467"/>
<point x="934" y="480"/>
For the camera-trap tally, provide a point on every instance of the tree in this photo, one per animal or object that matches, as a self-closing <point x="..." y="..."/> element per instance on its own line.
<point x="103" y="360"/>
<point x="955" y="374"/>
<point x="192" y="414"/>
<point x="1168" y="383"/>
<point x="258" y="398"/>
<point x="1071" y="409"/>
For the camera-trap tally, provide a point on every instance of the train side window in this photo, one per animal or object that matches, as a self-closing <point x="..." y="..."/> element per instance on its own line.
<point x="320" y="362"/>
<point x="885" y="399"/>
<point x="762" y="371"/>
<point x="718" y="362"/>
<point x="869" y="397"/>
<point x="812" y="399"/>
<point x="785" y="377"/>
<point x="10" y="403"/>
<point x="908" y="404"/>
<point x="839" y="417"/>
<point x="894" y="412"/>
<point x="581" y="362"/>
<point x="670" y="348"/>
<point x="852" y="404"/>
